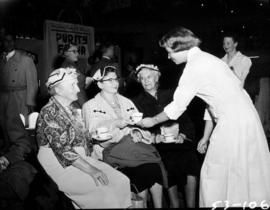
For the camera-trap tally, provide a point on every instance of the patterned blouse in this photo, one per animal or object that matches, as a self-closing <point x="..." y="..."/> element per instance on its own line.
<point x="62" y="129"/>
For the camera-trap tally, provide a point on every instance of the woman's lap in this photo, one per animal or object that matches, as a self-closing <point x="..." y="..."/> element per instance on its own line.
<point x="144" y="176"/>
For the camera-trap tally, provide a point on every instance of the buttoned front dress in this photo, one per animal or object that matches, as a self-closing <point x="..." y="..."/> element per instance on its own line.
<point x="236" y="168"/>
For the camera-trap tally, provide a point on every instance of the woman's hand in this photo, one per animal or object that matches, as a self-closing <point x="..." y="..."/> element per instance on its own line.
<point x="147" y="122"/>
<point x="121" y="123"/>
<point x="202" y="145"/>
<point x="159" y="138"/>
<point x="136" y="136"/>
<point x="179" y="139"/>
<point x="98" y="176"/>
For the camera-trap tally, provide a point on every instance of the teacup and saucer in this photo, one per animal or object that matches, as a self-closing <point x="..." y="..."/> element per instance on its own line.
<point x="102" y="134"/>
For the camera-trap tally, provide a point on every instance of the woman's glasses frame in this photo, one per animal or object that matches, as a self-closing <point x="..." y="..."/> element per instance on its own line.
<point x="73" y="51"/>
<point x="117" y="79"/>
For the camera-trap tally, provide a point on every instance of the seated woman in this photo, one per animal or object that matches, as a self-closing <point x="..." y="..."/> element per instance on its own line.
<point x="180" y="160"/>
<point x="112" y="110"/>
<point x="64" y="154"/>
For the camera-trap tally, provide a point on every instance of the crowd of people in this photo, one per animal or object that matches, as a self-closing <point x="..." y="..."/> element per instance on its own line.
<point x="96" y="152"/>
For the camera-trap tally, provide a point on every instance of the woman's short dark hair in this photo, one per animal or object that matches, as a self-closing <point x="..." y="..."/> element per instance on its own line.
<point x="67" y="46"/>
<point x="105" y="46"/>
<point x="179" y="39"/>
<point x="109" y="69"/>
<point x="231" y="35"/>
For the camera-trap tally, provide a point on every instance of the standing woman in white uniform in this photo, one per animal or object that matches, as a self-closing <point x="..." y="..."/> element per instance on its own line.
<point x="236" y="168"/>
<point x="239" y="63"/>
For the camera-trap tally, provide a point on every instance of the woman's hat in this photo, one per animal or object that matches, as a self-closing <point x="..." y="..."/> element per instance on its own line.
<point x="60" y="75"/>
<point x="100" y="73"/>
<point x="148" y="66"/>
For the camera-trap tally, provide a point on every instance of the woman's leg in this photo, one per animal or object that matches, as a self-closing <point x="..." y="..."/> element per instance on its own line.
<point x="143" y="195"/>
<point x="190" y="191"/>
<point x="173" y="196"/>
<point x="156" y="192"/>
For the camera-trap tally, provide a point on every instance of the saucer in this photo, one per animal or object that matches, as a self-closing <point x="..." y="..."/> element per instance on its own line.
<point x="169" y="141"/>
<point x="96" y="137"/>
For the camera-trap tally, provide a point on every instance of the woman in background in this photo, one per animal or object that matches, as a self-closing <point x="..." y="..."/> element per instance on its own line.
<point x="70" y="58"/>
<point x="239" y="63"/>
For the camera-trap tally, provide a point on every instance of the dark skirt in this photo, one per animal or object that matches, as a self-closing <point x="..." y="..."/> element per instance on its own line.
<point x="143" y="176"/>
<point x="180" y="160"/>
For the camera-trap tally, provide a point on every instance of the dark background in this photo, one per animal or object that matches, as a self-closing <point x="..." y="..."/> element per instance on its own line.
<point x="137" y="25"/>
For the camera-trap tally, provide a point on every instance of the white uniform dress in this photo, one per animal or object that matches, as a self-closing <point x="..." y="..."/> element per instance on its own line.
<point x="240" y="65"/>
<point x="236" y="168"/>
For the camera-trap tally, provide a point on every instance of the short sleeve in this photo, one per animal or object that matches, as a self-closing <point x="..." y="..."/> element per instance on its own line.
<point x="59" y="138"/>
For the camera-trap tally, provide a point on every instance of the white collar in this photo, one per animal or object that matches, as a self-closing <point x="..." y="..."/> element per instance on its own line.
<point x="237" y="54"/>
<point x="10" y="54"/>
<point x="192" y="51"/>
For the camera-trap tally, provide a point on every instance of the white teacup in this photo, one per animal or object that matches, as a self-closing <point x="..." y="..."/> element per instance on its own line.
<point x="169" y="137"/>
<point x="102" y="132"/>
<point x="136" y="117"/>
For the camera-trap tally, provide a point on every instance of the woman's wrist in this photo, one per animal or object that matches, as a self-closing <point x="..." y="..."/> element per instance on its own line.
<point x="205" y="138"/>
<point x="155" y="120"/>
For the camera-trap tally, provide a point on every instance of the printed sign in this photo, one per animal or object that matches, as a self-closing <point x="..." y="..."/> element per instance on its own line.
<point x="57" y="34"/>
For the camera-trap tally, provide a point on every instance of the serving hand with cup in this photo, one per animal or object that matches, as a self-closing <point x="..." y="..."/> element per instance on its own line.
<point x="171" y="133"/>
<point x="170" y="138"/>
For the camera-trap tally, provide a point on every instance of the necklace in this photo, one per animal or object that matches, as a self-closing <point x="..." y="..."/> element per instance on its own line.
<point x="114" y="104"/>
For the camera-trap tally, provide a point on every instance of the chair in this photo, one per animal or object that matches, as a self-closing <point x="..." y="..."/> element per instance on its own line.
<point x="31" y="121"/>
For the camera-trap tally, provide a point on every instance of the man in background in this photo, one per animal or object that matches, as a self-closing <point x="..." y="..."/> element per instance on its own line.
<point x="16" y="174"/>
<point x="18" y="77"/>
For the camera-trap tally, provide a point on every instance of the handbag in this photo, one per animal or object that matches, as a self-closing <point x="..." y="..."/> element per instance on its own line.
<point x="127" y="153"/>
<point x="136" y="200"/>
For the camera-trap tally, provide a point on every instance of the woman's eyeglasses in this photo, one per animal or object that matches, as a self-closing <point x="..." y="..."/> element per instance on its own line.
<point x="117" y="79"/>
<point x="73" y="51"/>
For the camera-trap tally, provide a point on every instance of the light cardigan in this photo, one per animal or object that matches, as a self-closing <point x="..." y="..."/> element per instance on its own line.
<point x="98" y="113"/>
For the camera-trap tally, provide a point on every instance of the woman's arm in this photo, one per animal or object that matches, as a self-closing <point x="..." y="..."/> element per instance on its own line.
<point x="149" y="122"/>
<point x="186" y="90"/>
<point x="55" y="132"/>
<point x="208" y="128"/>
